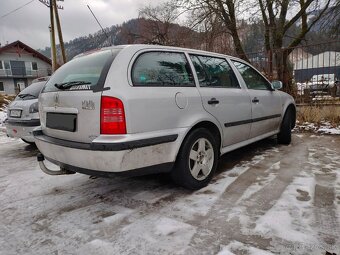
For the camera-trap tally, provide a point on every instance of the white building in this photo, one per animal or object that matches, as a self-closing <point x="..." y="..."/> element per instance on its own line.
<point x="19" y="65"/>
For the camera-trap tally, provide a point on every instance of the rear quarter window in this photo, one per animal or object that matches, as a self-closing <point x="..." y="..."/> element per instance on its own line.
<point x="162" y="69"/>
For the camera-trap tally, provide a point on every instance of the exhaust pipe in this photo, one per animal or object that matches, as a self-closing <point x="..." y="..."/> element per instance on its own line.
<point x="62" y="171"/>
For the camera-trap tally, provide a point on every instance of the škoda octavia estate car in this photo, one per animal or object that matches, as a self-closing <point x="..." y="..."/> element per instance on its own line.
<point x="142" y="109"/>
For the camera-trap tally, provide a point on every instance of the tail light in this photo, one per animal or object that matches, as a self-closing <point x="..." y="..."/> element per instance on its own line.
<point x="112" y="116"/>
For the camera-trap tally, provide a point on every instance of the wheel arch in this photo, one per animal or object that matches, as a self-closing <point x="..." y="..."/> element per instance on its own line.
<point x="292" y="109"/>
<point x="211" y="127"/>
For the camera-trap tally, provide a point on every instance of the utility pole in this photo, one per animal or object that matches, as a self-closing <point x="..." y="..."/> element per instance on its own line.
<point x="53" y="46"/>
<point x="51" y="4"/>
<point x="60" y="35"/>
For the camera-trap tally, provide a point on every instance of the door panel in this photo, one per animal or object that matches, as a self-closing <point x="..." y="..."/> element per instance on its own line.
<point x="265" y="102"/>
<point x="223" y="98"/>
<point x="233" y="111"/>
<point x="266" y="113"/>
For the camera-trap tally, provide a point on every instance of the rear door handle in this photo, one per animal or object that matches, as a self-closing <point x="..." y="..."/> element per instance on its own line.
<point x="213" y="101"/>
<point x="255" y="100"/>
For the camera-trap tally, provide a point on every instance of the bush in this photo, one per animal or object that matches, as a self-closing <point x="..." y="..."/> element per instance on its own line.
<point x="318" y="114"/>
<point x="5" y="100"/>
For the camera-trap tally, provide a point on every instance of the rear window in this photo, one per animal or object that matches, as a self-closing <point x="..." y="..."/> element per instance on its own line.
<point x="31" y="92"/>
<point x="89" y="70"/>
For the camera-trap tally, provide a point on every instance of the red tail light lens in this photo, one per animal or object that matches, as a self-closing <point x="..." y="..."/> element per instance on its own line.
<point x="112" y="116"/>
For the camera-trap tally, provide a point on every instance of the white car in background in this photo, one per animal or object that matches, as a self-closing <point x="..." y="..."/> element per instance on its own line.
<point x="23" y="113"/>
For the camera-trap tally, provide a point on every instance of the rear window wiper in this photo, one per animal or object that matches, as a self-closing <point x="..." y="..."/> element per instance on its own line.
<point x="69" y="84"/>
<point x="26" y="95"/>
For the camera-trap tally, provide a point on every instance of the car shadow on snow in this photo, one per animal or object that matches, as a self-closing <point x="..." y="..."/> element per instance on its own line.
<point x="22" y="151"/>
<point x="229" y="160"/>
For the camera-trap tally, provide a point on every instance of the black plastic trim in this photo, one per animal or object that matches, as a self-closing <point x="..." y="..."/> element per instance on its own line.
<point x="24" y="123"/>
<point x="105" y="146"/>
<point x="242" y="122"/>
<point x="159" y="168"/>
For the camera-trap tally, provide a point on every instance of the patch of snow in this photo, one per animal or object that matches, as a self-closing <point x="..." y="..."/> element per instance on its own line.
<point x="289" y="218"/>
<point x="325" y="127"/>
<point x="96" y="246"/>
<point x="3" y="116"/>
<point x="241" y="248"/>
<point x="331" y="131"/>
<point x="151" y="196"/>
<point x="154" y="234"/>
<point x="263" y="181"/>
<point x="167" y="226"/>
<point x="120" y="213"/>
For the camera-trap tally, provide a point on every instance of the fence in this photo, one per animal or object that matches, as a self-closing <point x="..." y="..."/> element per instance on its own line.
<point x="22" y="72"/>
<point x="311" y="72"/>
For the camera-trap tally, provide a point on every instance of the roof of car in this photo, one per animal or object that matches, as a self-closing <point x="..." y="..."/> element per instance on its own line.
<point x="151" y="46"/>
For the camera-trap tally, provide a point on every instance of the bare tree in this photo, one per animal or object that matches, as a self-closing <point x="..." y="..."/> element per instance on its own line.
<point x="278" y="17"/>
<point x="226" y="11"/>
<point x="163" y="17"/>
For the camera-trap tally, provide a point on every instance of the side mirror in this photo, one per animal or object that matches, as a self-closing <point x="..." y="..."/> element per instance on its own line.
<point x="276" y="84"/>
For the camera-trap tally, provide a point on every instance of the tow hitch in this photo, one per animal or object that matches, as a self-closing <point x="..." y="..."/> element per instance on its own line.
<point x="62" y="171"/>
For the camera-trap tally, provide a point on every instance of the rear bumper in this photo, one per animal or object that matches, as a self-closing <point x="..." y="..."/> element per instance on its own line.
<point x="103" y="159"/>
<point x="159" y="168"/>
<point x="22" y="129"/>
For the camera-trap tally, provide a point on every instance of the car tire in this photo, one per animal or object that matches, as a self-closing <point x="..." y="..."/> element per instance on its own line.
<point x="285" y="135"/>
<point x="30" y="143"/>
<point x="197" y="160"/>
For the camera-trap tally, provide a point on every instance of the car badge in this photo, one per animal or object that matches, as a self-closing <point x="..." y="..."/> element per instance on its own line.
<point x="56" y="100"/>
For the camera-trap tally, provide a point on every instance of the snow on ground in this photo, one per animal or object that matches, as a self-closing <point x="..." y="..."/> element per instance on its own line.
<point x="246" y="249"/>
<point x="3" y="116"/>
<point x="265" y="199"/>
<point x="324" y="128"/>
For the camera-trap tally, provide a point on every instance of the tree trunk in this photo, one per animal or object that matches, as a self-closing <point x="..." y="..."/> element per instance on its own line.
<point x="238" y="47"/>
<point x="284" y="70"/>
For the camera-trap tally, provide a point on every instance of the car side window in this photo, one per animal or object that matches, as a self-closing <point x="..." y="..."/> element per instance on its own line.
<point x="163" y="69"/>
<point x="251" y="77"/>
<point x="214" y="72"/>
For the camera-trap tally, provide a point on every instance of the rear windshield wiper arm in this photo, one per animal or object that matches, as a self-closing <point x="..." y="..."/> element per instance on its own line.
<point x="26" y="95"/>
<point x="69" y="84"/>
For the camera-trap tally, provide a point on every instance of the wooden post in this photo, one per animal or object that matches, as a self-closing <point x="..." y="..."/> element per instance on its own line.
<point x="60" y="35"/>
<point x="53" y="47"/>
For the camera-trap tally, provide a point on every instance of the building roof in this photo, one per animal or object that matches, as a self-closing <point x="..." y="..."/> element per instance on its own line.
<point x="324" y="59"/>
<point x="21" y="45"/>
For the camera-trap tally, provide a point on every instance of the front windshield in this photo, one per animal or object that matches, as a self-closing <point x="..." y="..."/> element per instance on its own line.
<point x="82" y="70"/>
<point x="31" y="92"/>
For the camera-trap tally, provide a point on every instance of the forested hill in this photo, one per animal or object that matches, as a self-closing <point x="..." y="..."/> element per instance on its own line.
<point x="130" y="32"/>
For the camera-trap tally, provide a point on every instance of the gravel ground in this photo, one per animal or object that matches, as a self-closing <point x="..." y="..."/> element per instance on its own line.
<point x="265" y="199"/>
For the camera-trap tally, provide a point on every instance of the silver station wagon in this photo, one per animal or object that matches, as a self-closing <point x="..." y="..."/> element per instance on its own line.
<point x="139" y="109"/>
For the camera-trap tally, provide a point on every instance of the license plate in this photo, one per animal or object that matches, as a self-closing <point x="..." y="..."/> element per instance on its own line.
<point x="61" y="121"/>
<point x="15" y="113"/>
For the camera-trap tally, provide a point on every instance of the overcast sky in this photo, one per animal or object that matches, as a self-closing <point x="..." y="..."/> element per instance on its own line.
<point x="30" y="24"/>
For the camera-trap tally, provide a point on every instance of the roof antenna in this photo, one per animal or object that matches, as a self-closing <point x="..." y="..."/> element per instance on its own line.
<point x="107" y="36"/>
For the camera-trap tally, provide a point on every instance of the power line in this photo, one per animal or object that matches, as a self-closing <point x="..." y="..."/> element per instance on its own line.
<point x="107" y="36"/>
<point x="20" y="7"/>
